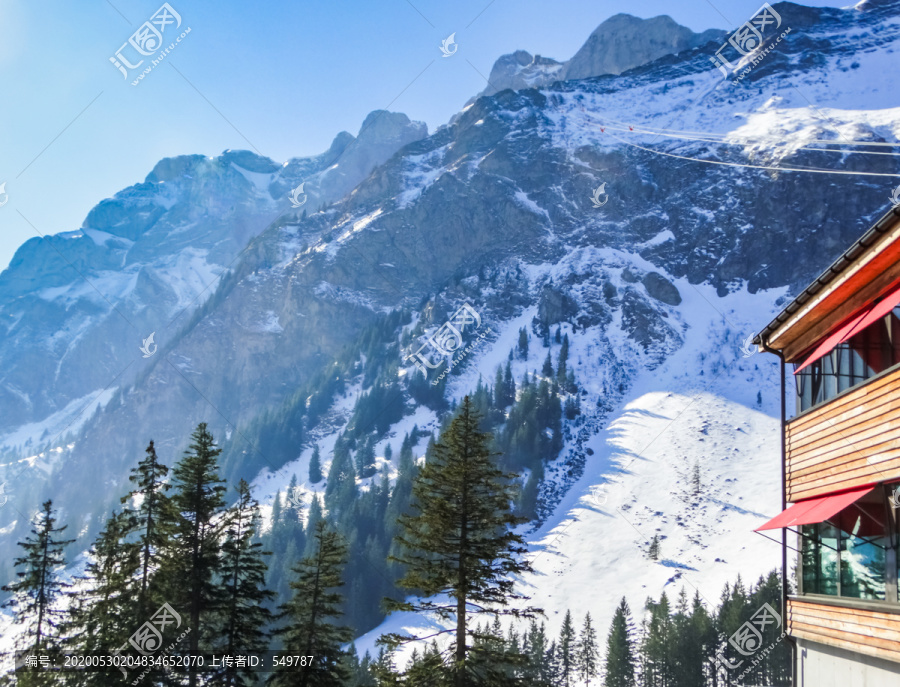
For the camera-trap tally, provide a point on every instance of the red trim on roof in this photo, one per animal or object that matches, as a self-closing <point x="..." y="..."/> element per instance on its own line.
<point x="861" y="319"/>
<point x="815" y="510"/>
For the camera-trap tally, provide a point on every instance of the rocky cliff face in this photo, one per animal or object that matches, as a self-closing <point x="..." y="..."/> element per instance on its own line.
<point x="624" y="42"/>
<point x="73" y="306"/>
<point x="499" y="209"/>
<point x="620" y="43"/>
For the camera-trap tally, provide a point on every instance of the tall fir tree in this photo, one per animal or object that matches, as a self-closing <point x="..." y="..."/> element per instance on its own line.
<point x="523" y="344"/>
<point x="150" y="489"/>
<point x="658" y="646"/>
<point x="102" y="615"/>
<point x="567" y="651"/>
<point x="192" y="565"/>
<point x="243" y="613"/>
<point x="315" y="466"/>
<point x="587" y="656"/>
<point x="561" y="365"/>
<point x="460" y="541"/>
<point x="620" y="659"/>
<point x="311" y="631"/>
<point x="35" y="593"/>
<point x="547" y="368"/>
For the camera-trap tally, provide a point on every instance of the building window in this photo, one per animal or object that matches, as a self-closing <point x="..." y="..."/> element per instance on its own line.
<point x="866" y="354"/>
<point x="847" y="555"/>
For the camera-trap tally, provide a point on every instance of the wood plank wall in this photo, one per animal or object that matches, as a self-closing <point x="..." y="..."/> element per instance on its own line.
<point x="862" y="631"/>
<point x="848" y="442"/>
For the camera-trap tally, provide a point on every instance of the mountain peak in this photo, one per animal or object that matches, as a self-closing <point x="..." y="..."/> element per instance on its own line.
<point x="620" y="43"/>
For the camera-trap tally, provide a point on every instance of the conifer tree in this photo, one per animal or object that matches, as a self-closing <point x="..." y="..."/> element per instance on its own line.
<point x="191" y="562"/>
<point x="551" y="663"/>
<point x="536" y="651"/>
<point x="695" y="478"/>
<point x="523" y="344"/>
<point x="311" y="611"/>
<point x="653" y="549"/>
<point x="103" y="614"/>
<point x="244" y="615"/>
<point x="35" y="593"/>
<point x="460" y="542"/>
<point x="657" y="650"/>
<point x="587" y="657"/>
<point x="547" y="369"/>
<point x="567" y="647"/>
<point x="312" y="523"/>
<point x="561" y="366"/>
<point x="365" y="459"/>
<point x="620" y="662"/>
<point x="340" y="491"/>
<point x="150" y="486"/>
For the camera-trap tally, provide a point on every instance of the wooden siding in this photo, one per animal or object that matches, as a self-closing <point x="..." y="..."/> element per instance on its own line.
<point x="862" y="631"/>
<point x="848" y="442"/>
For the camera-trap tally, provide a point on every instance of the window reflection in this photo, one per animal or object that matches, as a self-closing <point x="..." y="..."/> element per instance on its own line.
<point x="847" y="555"/>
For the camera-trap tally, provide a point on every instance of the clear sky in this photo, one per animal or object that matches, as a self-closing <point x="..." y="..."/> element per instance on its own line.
<point x="279" y="77"/>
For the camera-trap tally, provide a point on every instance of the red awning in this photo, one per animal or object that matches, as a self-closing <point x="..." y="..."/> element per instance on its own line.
<point x="844" y="332"/>
<point x="882" y="308"/>
<point x="855" y="324"/>
<point x="815" y="510"/>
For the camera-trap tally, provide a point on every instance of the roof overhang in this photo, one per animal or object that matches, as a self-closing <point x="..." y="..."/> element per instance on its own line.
<point x="863" y="273"/>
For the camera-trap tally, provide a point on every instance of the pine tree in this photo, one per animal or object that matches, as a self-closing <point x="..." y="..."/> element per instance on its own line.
<point x="35" y="593"/>
<point x="191" y="561"/>
<point x="509" y="385"/>
<point x="535" y="648"/>
<point x="587" y="657"/>
<point x="551" y="664"/>
<point x="312" y="523"/>
<point x="567" y="647"/>
<point x="365" y="459"/>
<point x="102" y="615"/>
<point x="653" y="549"/>
<point x="340" y="491"/>
<point x="315" y="466"/>
<point x="460" y="541"/>
<point x="561" y="366"/>
<point x="657" y="650"/>
<point x="310" y="631"/>
<point x="547" y="369"/>
<point x="695" y="478"/>
<point x="243" y="613"/>
<point x="523" y="344"/>
<point x="620" y="663"/>
<point x="150" y="486"/>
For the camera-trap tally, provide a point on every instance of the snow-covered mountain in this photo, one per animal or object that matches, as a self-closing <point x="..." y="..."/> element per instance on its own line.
<point x="657" y="217"/>
<point x="620" y="43"/>
<point x="75" y="305"/>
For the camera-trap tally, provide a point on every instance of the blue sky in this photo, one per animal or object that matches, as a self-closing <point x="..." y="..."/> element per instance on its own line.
<point x="279" y="77"/>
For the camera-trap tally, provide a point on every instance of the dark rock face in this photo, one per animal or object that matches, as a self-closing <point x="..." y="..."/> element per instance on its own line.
<point x="661" y="288"/>
<point x="554" y="306"/>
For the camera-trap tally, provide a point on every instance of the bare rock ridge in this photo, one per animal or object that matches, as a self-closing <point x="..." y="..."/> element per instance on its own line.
<point x="620" y="43"/>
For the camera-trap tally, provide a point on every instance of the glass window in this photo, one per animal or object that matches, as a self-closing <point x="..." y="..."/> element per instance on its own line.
<point x="866" y="354"/>
<point x="847" y="555"/>
<point x="820" y="559"/>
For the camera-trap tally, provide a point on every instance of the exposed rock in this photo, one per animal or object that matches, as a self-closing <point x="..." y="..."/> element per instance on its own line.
<point x="661" y="288"/>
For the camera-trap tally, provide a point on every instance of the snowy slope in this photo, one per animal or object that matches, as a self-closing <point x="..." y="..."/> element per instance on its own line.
<point x="637" y="483"/>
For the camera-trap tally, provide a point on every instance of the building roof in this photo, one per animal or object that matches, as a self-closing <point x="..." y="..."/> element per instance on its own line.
<point x="866" y="244"/>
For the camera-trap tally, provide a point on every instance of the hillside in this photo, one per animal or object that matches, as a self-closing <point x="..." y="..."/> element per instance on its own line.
<point x="721" y="201"/>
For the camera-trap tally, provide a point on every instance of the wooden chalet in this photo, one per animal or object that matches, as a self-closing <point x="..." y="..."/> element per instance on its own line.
<point x="839" y="345"/>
